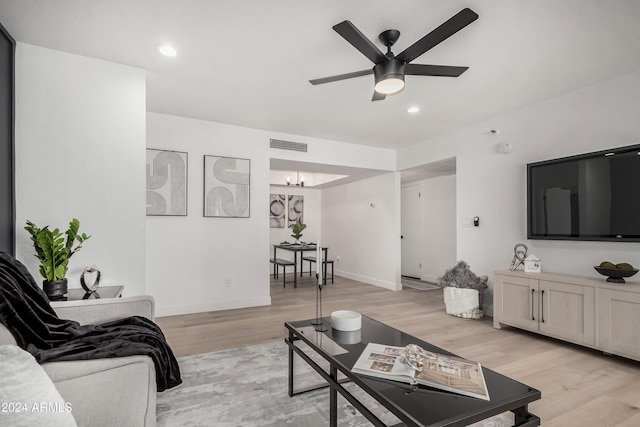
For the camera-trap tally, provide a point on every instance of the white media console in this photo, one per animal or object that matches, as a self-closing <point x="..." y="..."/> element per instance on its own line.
<point x="582" y="310"/>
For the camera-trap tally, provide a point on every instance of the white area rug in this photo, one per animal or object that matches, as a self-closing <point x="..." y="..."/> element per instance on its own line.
<point x="247" y="387"/>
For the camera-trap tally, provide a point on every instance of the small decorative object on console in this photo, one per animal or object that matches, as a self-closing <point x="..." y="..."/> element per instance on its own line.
<point x="520" y="253"/>
<point x="616" y="272"/>
<point x="92" y="275"/>
<point x="532" y="264"/>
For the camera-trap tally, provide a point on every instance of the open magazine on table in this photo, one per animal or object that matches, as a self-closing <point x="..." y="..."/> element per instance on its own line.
<point x="438" y="371"/>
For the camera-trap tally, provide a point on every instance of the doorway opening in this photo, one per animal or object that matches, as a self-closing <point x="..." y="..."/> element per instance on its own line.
<point x="428" y="220"/>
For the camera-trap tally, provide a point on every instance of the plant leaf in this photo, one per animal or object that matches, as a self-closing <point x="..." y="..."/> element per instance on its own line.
<point x="52" y="250"/>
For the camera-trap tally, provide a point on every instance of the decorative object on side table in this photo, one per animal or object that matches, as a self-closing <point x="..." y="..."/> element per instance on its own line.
<point x="90" y="279"/>
<point x="54" y="254"/>
<point x="616" y="272"/>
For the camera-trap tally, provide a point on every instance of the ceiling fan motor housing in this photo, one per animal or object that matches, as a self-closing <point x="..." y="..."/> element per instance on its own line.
<point x="389" y="76"/>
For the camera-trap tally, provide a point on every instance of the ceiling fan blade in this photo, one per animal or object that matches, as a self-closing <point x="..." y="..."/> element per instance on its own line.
<point x="433" y="70"/>
<point x="350" y="33"/>
<point x="377" y="96"/>
<point x="340" y="77"/>
<point x="457" y="22"/>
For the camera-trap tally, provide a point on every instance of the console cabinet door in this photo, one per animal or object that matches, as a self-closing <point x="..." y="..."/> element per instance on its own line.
<point x="516" y="302"/>
<point x="567" y="311"/>
<point x="619" y="322"/>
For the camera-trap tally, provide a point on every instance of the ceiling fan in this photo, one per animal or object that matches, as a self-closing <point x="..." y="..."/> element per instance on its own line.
<point x="389" y="69"/>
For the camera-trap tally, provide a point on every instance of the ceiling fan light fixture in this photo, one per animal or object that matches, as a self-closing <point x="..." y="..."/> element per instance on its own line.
<point x="390" y="86"/>
<point x="389" y="76"/>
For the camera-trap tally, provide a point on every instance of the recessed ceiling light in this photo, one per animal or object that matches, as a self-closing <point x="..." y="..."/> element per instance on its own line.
<point x="413" y="110"/>
<point x="167" y="50"/>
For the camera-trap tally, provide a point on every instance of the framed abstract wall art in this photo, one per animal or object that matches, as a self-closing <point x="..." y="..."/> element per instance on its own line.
<point x="277" y="210"/>
<point x="166" y="183"/>
<point x="226" y="187"/>
<point x="295" y="210"/>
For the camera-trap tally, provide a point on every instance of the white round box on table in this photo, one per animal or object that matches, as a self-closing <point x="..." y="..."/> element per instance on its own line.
<point x="346" y="320"/>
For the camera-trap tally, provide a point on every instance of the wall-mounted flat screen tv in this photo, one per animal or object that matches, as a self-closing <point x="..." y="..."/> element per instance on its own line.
<point x="594" y="196"/>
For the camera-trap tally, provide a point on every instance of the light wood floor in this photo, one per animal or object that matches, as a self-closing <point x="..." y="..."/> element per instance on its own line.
<point x="580" y="387"/>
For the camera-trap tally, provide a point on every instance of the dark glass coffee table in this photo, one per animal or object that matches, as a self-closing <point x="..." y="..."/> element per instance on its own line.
<point x="414" y="406"/>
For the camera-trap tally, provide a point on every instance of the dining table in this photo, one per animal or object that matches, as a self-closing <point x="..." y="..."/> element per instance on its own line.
<point x="300" y="248"/>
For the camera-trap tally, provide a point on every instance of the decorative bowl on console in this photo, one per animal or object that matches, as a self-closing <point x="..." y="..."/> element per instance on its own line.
<point x="615" y="275"/>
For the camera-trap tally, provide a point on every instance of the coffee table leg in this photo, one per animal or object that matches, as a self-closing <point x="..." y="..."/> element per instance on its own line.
<point x="333" y="398"/>
<point x="523" y="418"/>
<point x="291" y="338"/>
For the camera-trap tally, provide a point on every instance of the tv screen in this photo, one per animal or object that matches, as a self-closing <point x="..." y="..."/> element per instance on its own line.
<point x="593" y="196"/>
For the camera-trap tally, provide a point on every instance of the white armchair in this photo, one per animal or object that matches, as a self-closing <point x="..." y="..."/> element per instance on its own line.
<point x="104" y="392"/>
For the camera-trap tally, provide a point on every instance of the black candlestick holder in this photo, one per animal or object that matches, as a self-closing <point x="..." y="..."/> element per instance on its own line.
<point x="319" y="322"/>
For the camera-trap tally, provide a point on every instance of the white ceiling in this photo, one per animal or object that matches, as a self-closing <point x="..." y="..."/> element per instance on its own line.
<point x="248" y="62"/>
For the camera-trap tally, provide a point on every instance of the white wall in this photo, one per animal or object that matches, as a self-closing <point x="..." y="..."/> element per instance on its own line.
<point x="438" y="196"/>
<point x="80" y="150"/>
<point x="204" y="264"/>
<point x="311" y="217"/>
<point x="493" y="186"/>
<point x="197" y="264"/>
<point x="365" y="238"/>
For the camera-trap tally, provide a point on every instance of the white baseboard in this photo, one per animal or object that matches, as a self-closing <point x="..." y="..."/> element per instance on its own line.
<point x="368" y="280"/>
<point x="200" y="308"/>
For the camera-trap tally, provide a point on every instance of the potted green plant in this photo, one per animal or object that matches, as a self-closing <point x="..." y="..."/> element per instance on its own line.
<point x="54" y="253"/>
<point x="297" y="231"/>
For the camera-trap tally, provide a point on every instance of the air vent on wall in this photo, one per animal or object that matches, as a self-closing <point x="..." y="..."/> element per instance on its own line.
<point x="288" y="145"/>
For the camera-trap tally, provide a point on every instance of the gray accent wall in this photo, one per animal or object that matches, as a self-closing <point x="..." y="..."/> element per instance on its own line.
<point x="7" y="197"/>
